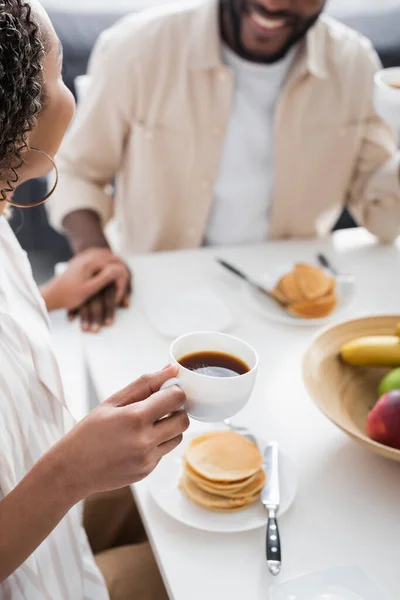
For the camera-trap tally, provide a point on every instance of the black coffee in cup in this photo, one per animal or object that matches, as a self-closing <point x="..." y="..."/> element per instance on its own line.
<point x="214" y="364"/>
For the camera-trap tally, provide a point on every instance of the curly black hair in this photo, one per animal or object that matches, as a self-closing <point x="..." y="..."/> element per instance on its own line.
<point x="22" y="54"/>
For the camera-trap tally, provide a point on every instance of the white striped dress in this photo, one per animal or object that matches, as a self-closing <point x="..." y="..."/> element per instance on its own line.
<point x="33" y="416"/>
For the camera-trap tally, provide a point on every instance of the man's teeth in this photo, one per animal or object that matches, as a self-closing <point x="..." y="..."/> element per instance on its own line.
<point x="266" y="23"/>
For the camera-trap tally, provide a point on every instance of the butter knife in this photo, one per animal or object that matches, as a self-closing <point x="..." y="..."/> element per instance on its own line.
<point x="249" y="281"/>
<point x="270" y="497"/>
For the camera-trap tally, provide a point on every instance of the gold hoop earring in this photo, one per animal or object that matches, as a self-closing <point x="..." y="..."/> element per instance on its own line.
<point x="50" y="193"/>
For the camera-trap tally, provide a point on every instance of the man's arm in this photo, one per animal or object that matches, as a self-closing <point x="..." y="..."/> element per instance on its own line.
<point x="374" y="192"/>
<point x="85" y="230"/>
<point x="90" y="158"/>
<point x="92" y="152"/>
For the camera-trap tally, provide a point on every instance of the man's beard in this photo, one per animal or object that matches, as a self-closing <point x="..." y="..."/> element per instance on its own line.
<point x="235" y="9"/>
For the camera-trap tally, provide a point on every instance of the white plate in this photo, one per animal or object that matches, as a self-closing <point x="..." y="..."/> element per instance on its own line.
<point x="163" y="486"/>
<point x="176" y="312"/>
<point x="342" y="583"/>
<point x="270" y="310"/>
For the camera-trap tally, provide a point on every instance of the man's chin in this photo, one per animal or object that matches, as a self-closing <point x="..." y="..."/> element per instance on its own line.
<point x="268" y="46"/>
<point x="264" y="53"/>
<point x="261" y="40"/>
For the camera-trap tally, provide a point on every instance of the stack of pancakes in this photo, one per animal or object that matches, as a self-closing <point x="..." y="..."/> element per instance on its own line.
<point x="307" y="291"/>
<point x="222" y="471"/>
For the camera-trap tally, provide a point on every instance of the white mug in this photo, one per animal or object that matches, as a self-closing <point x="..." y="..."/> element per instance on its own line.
<point x="386" y="97"/>
<point x="213" y="399"/>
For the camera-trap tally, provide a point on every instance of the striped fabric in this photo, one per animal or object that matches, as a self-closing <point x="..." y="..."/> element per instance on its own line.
<point x="33" y="416"/>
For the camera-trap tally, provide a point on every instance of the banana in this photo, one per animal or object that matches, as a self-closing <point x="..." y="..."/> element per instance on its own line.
<point x="372" y="351"/>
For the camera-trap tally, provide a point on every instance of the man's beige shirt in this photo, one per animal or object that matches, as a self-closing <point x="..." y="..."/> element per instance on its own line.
<point x="156" y="111"/>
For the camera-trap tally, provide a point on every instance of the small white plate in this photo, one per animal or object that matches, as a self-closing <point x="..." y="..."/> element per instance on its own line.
<point x="163" y="486"/>
<point x="342" y="583"/>
<point x="176" y="312"/>
<point x="270" y="310"/>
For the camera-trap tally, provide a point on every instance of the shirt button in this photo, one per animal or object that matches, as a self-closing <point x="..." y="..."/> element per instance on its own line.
<point x="205" y="185"/>
<point x="343" y="131"/>
<point x="223" y="75"/>
<point x="217" y="131"/>
<point x="149" y="135"/>
<point x="192" y="232"/>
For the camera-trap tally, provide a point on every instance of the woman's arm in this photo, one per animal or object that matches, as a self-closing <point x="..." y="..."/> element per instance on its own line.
<point x="117" y="444"/>
<point x="33" y="509"/>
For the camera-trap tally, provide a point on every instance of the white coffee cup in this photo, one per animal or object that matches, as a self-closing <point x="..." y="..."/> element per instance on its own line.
<point x="213" y="399"/>
<point x="386" y="97"/>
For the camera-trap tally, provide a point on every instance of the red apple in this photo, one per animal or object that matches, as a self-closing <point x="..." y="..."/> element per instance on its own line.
<point x="383" y="424"/>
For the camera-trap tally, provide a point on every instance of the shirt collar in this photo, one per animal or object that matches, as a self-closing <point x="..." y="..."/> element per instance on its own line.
<point x="315" y="59"/>
<point x="205" y="46"/>
<point x="205" y="38"/>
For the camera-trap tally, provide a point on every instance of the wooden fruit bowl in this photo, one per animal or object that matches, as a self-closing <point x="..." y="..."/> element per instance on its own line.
<point x="346" y="394"/>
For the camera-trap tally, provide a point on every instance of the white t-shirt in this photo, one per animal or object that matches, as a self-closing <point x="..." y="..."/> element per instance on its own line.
<point x="33" y="417"/>
<point x="239" y="213"/>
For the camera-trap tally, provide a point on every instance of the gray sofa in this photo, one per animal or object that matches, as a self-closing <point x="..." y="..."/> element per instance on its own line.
<point x="78" y="32"/>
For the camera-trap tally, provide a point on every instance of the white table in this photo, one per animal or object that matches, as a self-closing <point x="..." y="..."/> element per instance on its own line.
<point x="347" y="510"/>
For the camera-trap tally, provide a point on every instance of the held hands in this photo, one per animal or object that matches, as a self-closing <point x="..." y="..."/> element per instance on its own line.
<point x="123" y="439"/>
<point x="99" y="310"/>
<point x="92" y="274"/>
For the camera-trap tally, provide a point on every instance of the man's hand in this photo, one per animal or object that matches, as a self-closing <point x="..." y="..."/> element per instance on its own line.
<point x="87" y="273"/>
<point x="99" y="310"/>
<point x="85" y="230"/>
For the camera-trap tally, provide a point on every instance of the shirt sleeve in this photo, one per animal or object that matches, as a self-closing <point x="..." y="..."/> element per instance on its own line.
<point x="374" y="194"/>
<point x="92" y="152"/>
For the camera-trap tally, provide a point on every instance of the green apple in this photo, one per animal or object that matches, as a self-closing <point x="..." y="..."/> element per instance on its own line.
<point x="391" y="381"/>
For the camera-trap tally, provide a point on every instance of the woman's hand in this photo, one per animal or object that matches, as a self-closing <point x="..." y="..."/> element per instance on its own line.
<point x="120" y="442"/>
<point x="123" y="439"/>
<point x="99" y="311"/>
<point x="87" y="274"/>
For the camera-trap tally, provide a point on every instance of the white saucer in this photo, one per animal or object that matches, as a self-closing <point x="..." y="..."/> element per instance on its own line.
<point x="180" y="311"/>
<point x="163" y="486"/>
<point x="342" y="583"/>
<point x="270" y="310"/>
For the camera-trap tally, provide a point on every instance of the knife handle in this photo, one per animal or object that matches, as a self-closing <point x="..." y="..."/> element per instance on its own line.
<point x="274" y="555"/>
<point x="232" y="269"/>
<point x="324" y="262"/>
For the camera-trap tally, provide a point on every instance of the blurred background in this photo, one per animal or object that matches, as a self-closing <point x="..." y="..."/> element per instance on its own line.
<point x="345" y="6"/>
<point x="79" y="23"/>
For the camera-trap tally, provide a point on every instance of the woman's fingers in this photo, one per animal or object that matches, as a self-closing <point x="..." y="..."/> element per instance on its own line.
<point x="172" y="426"/>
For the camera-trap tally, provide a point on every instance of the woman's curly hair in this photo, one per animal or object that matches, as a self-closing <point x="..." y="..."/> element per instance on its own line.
<point x="22" y="54"/>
